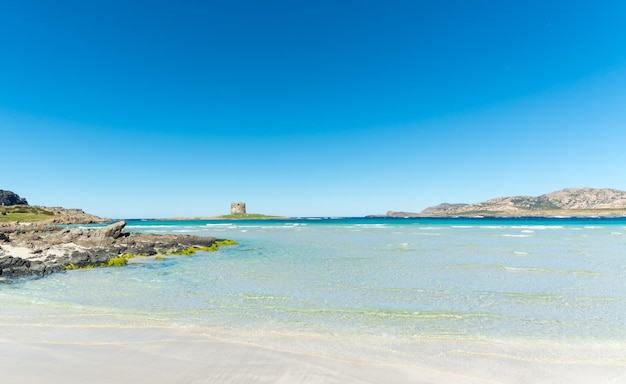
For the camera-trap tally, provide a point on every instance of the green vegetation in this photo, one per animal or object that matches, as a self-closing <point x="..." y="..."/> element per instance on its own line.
<point x="72" y="266"/>
<point x="118" y="261"/>
<point x="24" y="213"/>
<point x="543" y="204"/>
<point x="185" y="252"/>
<point x="121" y="260"/>
<point x="212" y="248"/>
<point x="225" y="242"/>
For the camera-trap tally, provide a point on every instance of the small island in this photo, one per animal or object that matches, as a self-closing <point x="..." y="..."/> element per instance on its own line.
<point x="237" y="212"/>
<point x="247" y="216"/>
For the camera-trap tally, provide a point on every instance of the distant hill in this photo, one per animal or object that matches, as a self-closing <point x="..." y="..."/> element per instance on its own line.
<point x="442" y="208"/>
<point x="570" y="201"/>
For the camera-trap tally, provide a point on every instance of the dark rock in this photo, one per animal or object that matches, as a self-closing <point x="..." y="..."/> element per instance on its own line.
<point x="4" y="238"/>
<point x="59" y="248"/>
<point x="14" y="266"/>
<point x="37" y="268"/>
<point x="10" y="198"/>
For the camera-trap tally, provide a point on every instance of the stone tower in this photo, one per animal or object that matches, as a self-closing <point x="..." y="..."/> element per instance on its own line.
<point x="238" y="209"/>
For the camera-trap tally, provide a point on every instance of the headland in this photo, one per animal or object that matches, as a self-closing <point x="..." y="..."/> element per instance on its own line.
<point x="38" y="249"/>
<point x="570" y="202"/>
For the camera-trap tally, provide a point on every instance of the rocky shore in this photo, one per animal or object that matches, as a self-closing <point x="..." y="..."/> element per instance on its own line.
<point x="38" y="249"/>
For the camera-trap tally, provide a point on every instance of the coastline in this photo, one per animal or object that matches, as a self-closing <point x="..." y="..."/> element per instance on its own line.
<point x="116" y="338"/>
<point x="132" y="353"/>
<point x="166" y="356"/>
<point x="555" y="213"/>
<point x="41" y="249"/>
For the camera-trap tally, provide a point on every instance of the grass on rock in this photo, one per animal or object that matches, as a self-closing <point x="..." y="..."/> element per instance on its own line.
<point x="24" y="213"/>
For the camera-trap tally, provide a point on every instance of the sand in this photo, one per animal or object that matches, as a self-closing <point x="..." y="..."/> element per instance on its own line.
<point x="91" y="354"/>
<point x="166" y="356"/>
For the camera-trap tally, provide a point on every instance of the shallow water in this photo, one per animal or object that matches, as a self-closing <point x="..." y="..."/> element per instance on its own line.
<point x="382" y="282"/>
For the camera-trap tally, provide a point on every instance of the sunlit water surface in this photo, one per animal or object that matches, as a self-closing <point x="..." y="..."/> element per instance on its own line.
<point x="378" y="279"/>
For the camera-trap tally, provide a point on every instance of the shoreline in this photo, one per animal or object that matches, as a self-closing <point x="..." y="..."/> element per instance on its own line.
<point x="131" y="353"/>
<point x="108" y="338"/>
<point x="399" y="215"/>
<point x="41" y="249"/>
<point x="164" y="356"/>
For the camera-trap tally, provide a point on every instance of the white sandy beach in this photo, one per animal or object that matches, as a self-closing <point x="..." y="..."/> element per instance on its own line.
<point x="63" y="354"/>
<point x="165" y="356"/>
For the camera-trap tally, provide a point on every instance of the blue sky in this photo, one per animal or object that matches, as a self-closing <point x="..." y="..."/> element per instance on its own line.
<point x="308" y="108"/>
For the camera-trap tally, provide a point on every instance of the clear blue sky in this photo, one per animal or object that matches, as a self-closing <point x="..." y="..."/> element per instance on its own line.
<point x="308" y="108"/>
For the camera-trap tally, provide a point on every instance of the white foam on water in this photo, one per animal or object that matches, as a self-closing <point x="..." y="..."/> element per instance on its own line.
<point x="538" y="227"/>
<point x="148" y="226"/>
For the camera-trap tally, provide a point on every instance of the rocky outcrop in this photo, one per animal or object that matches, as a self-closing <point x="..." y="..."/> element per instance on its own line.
<point x="10" y="198"/>
<point x="40" y="249"/>
<point x="66" y="216"/>
<point x="53" y="215"/>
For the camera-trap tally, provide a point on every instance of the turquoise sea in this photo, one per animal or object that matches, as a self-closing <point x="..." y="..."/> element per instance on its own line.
<point x="367" y="281"/>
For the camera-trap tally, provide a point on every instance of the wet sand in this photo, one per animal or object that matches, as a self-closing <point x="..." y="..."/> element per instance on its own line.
<point x="164" y="356"/>
<point x="99" y="355"/>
